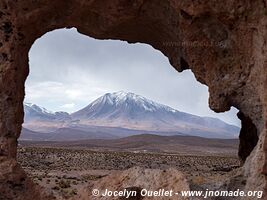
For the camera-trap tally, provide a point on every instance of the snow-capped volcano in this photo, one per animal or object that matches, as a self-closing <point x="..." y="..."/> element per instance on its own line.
<point x="122" y="104"/>
<point x="39" y="118"/>
<point x="34" y="111"/>
<point x="125" y="110"/>
<point x="119" y="98"/>
<point x="128" y="110"/>
<point x="34" y="107"/>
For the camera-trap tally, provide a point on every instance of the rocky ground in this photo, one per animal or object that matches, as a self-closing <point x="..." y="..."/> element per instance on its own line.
<point x="65" y="172"/>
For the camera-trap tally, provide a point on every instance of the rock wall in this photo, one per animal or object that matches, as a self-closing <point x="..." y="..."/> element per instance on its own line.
<point x="222" y="42"/>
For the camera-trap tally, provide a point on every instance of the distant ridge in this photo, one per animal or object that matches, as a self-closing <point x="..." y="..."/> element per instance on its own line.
<point x="152" y="143"/>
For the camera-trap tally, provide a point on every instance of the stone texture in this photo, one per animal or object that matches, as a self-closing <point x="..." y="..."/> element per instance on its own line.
<point x="16" y="185"/>
<point x="136" y="179"/>
<point x="222" y="42"/>
<point x="248" y="137"/>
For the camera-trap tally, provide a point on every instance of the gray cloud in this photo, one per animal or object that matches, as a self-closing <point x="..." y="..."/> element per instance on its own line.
<point x="69" y="70"/>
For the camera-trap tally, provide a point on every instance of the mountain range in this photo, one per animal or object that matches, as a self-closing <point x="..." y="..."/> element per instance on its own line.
<point x="117" y="115"/>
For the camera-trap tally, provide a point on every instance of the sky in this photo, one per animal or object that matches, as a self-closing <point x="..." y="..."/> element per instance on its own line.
<point x="69" y="70"/>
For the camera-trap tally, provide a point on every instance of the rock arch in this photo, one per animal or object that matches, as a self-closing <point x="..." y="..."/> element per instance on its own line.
<point x="222" y="42"/>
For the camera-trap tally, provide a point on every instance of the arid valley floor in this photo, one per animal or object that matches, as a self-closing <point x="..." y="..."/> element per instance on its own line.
<point x="67" y="172"/>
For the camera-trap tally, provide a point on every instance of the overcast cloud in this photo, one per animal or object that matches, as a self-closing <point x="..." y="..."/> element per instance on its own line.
<point x="69" y="70"/>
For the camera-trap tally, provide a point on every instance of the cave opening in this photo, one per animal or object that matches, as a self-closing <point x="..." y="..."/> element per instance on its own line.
<point x="67" y="78"/>
<point x="223" y="44"/>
